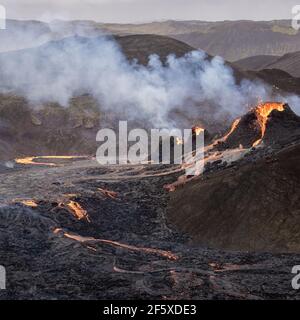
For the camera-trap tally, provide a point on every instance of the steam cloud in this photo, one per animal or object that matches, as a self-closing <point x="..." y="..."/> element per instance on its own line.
<point x="59" y="70"/>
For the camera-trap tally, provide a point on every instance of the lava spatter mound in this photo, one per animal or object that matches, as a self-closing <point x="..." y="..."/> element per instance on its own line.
<point x="282" y="127"/>
<point x="268" y="123"/>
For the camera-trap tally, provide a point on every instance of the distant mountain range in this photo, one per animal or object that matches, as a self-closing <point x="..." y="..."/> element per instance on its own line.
<point x="233" y="40"/>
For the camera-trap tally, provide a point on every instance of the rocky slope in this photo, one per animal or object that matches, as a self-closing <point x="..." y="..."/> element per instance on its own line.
<point x="140" y="47"/>
<point x="43" y="129"/>
<point x="278" y="79"/>
<point x="289" y="63"/>
<point x="50" y="129"/>
<point x="246" y="38"/>
<point x="256" y="62"/>
<point x="251" y="203"/>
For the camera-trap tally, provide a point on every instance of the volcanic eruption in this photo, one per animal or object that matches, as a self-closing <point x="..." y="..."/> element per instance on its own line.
<point x="257" y="127"/>
<point x="252" y="202"/>
<point x="269" y="124"/>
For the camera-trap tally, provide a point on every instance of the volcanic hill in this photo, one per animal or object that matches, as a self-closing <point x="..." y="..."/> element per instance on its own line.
<point x="252" y="203"/>
<point x="270" y="123"/>
<point x="289" y="63"/>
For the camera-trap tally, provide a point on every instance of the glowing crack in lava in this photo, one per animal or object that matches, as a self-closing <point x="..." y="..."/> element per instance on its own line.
<point x="31" y="160"/>
<point x="224" y="138"/>
<point x="29" y="203"/>
<point x="263" y="111"/>
<point x="92" y="241"/>
<point x="76" y="209"/>
<point x="233" y="127"/>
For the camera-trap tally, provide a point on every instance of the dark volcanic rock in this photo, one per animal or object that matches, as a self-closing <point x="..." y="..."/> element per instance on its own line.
<point x="282" y="127"/>
<point x="255" y="208"/>
<point x="246" y="132"/>
<point x="279" y="79"/>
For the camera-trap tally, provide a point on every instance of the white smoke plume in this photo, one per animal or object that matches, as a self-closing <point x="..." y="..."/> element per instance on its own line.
<point x="60" y="70"/>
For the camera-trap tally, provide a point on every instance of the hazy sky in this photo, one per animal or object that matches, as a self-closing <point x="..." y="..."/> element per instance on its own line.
<point x="149" y="10"/>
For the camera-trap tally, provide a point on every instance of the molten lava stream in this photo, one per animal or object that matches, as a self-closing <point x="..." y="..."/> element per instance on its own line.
<point x="30" y="160"/>
<point x="224" y="138"/>
<point x="76" y="209"/>
<point x="263" y="111"/>
<point x="29" y="203"/>
<point x="90" y="241"/>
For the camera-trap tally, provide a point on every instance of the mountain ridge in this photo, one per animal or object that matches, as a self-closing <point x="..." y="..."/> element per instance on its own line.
<point x="276" y="37"/>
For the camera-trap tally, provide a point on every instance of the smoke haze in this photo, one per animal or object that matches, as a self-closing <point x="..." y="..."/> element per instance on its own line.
<point x="60" y="70"/>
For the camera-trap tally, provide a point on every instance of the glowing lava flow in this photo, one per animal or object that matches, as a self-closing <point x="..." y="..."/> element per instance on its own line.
<point x="76" y="209"/>
<point x="89" y="241"/>
<point x="226" y="156"/>
<point x="263" y="111"/>
<point x="233" y="127"/>
<point x="29" y="203"/>
<point x="30" y="160"/>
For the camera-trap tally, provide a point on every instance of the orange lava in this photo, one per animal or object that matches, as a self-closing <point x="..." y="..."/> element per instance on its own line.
<point x="29" y="203"/>
<point x="108" y="193"/>
<point x="263" y="111"/>
<point x="31" y="160"/>
<point x="90" y="241"/>
<point x="233" y="127"/>
<point x="197" y="130"/>
<point x="76" y="209"/>
<point x="57" y="230"/>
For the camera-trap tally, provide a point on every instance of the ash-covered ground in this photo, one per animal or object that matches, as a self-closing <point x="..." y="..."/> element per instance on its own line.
<point x="78" y="230"/>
